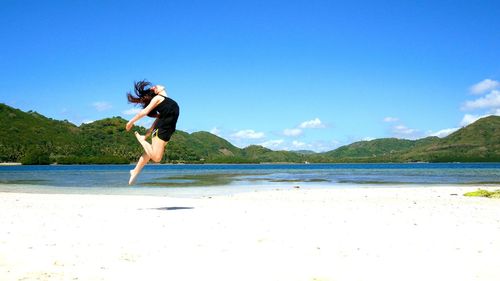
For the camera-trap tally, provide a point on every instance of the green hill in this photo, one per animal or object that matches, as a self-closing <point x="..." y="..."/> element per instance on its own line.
<point x="23" y="131"/>
<point x="103" y="141"/>
<point x="373" y="148"/>
<point x="261" y="154"/>
<point x="31" y="138"/>
<point x="378" y="150"/>
<point x="478" y="142"/>
<point x="28" y="137"/>
<point x="200" y="147"/>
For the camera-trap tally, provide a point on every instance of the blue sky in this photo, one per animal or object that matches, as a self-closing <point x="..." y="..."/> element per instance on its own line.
<point x="284" y="74"/>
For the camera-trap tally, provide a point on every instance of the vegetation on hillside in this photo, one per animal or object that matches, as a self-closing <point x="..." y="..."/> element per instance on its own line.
<point x="31" y="138"/>
<point x="478" y="142"/>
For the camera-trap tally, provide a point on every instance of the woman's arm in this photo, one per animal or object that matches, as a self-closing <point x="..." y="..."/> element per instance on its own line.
<point x="154" y="102"/>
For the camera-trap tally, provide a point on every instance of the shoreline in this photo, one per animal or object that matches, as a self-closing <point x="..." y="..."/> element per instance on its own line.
<point x="10" y="164"/>
<point x="257" y="163"/>
<point x="195" y="191"/>
<point x="408" y="233"/>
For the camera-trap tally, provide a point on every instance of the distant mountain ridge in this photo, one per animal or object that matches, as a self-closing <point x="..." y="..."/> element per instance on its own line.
<point x="477" y="142"/>
<point x="378" y="147"/>
<point x="32" y="138"/>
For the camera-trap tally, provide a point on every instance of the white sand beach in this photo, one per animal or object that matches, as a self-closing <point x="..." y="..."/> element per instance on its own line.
<point x="384" y="233"/>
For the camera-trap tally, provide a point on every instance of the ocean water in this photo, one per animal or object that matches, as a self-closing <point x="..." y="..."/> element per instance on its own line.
<point x="189" y="179"/>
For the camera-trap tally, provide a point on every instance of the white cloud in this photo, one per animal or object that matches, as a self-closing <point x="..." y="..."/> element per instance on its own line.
<point x="317" y="146"/>
<point x="292" y="132"/>
<point x="491" y="100"/>
<point x="297" y="131"/>
<point x="215" y="131"/>
<point x="101" y="105"/>
<point x="488" y="104"/>
<point x="294" y="145"/>
<point x="248" y="134"/>
<point x="443" y="133"/>
<point x="471" y="118"/>
<point x="322" y="146"/>
<point x="401" y="131"/>
<point x="391" y="119"/>
<point x="367" y="139"/>
<point x="87" y="121"/>
<point x="273" y="144"/>
<point x="299" y="144"/>
<point x="484" y="86"/>
<point x="132" y="111"/>
<point x="312" y="124"/>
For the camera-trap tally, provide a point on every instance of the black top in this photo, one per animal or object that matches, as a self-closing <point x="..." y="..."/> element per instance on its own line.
<point x="168" y="111"/>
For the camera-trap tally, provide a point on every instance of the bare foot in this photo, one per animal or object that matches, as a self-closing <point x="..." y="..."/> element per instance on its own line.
<point x="146" y="145"/>
<point x="133" y="177"/>
<point x="139" y="137"/>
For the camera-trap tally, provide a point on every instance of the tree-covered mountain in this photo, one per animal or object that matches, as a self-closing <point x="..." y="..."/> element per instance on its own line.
<point x="29" y="137"/>
<point x="477" y="142"/>
<point x="33" y="138"/>
<point x="385" y="148"/>
<point x="22" y="131"/>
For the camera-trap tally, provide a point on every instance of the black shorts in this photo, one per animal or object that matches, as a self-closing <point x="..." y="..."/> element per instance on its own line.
<point x="163" y="133"/>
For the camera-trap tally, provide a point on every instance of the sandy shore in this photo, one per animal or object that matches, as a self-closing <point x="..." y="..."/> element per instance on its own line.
<point x="297" y="234"/>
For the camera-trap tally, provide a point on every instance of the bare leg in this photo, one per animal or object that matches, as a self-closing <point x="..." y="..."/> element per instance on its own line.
<point x="138" y="168"/>
<point x="146" y="145"/>
<point x="154" y="150"/>
<point x="158" y="146"/>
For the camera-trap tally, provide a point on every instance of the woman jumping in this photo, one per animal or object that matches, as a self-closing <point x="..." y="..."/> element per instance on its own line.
<point x="156" y="104"/>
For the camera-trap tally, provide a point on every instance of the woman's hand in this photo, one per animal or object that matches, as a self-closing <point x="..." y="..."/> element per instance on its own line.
<point x="129" y="126"/>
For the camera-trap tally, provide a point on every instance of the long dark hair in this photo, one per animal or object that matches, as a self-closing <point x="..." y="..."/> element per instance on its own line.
<point x="142" y="95"/>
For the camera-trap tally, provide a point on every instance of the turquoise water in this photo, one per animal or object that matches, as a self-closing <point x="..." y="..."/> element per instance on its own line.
<point x="156" y="179"/>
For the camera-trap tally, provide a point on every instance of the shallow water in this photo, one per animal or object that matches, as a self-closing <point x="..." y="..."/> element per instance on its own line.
<point x="156" y="179"/>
